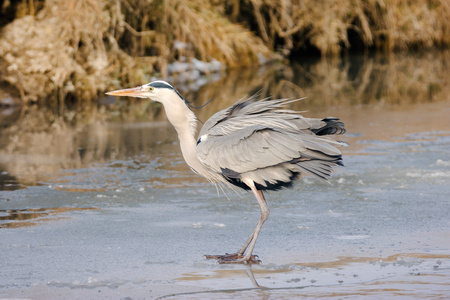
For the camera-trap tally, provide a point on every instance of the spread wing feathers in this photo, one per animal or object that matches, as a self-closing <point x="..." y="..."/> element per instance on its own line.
<point x="268" y="144"/>
<point x="248" y="112"/>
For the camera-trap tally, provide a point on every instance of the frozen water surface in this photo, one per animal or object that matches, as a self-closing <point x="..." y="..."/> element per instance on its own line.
<point x="136" y="223"/>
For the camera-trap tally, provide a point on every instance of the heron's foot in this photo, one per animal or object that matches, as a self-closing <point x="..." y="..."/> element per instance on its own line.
<point x="250" y="261"/>
<point x="234" y="258"/>
<point x="225" y="256"/>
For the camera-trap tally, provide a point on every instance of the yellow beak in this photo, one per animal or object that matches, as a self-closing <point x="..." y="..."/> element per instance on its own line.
<point x="132" y="92"/>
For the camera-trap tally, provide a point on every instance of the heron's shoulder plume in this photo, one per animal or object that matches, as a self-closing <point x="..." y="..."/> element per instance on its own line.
<point x="241" y="104"/>
<point x="239" y="108"/>
<point x="248" y="112"/>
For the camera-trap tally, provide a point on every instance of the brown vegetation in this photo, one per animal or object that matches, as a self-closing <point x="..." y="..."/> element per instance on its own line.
<point x="55" y="49"/>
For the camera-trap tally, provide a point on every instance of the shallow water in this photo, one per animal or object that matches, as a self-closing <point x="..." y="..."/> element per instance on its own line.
<point x="103" y="206"/>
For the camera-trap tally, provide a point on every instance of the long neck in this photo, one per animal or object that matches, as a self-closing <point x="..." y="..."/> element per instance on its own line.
<point x="184" y="122"/>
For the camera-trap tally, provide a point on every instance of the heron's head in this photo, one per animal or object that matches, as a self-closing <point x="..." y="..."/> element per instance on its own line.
<point x="159" y="91"/>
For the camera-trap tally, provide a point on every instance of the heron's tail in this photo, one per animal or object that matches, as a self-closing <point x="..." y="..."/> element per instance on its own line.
<point x="332" y="126"/>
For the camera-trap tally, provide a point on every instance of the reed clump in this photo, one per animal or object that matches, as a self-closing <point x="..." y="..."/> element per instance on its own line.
<point x="65" y="50"/>
<point x="329" y="27"/>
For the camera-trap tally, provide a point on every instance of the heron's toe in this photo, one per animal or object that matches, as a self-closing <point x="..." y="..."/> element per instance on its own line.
<point x="235" y="258"/>
<point x="225" y="256"/>
<point x="247" y="261"/>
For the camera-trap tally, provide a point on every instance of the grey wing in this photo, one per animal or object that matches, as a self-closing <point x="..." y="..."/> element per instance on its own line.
<point x="270" y="146"/>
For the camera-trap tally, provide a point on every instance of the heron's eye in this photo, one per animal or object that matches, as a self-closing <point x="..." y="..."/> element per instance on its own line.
<point x="146" y="88"/>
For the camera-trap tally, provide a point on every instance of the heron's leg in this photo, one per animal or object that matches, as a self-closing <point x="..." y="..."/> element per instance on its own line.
<point x="238" y="255"/>
<point x="258" y="194"/>
<point x="250" y="244"/>
<point x="264" y="216"/>
<point x="251" y="241"/>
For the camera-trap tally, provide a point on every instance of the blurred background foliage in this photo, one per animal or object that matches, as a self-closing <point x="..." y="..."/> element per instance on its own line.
<point x="60" y="50"/>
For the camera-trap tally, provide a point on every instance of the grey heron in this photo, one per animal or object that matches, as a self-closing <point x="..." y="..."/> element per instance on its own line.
<point x="254" y="145"/>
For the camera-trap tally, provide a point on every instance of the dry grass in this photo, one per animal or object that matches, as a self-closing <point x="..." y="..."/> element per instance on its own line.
<point x="78" y="49"/>
<point x="172" y="29"/>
